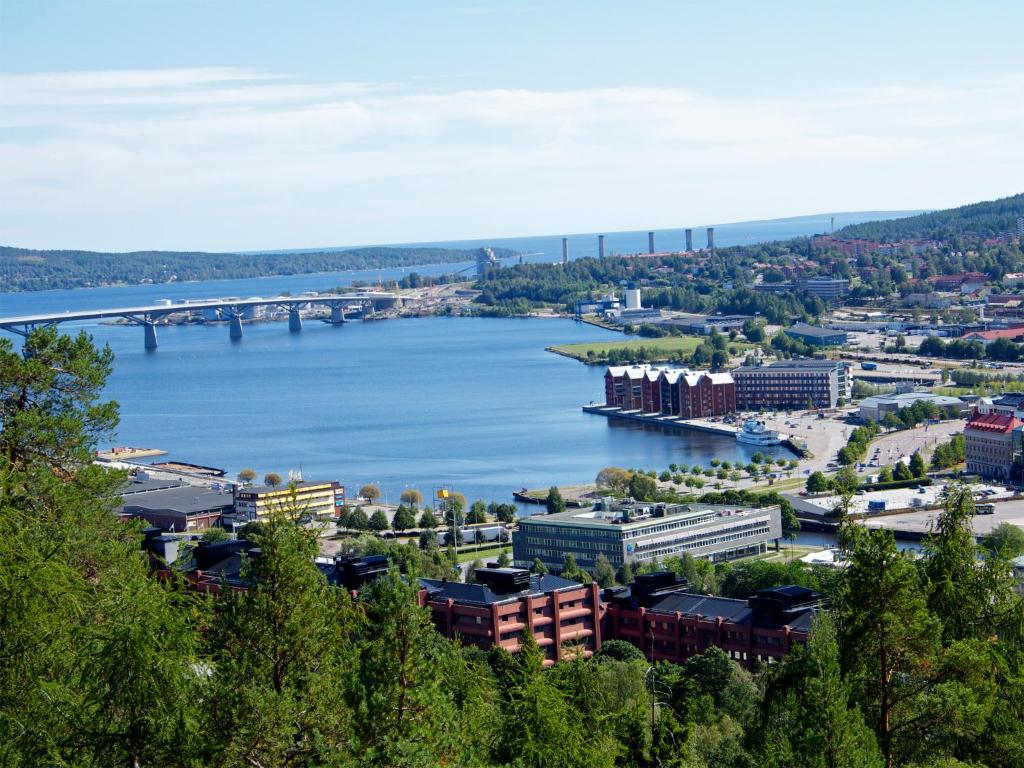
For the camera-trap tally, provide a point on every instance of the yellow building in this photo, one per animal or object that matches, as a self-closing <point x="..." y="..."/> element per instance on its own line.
<point x="305" y="498"/>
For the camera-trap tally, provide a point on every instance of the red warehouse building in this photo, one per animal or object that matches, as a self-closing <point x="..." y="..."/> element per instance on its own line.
<point x="670" y="391"/>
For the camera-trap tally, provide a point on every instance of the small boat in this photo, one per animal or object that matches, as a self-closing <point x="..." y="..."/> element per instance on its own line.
<point x="755" y="432"/>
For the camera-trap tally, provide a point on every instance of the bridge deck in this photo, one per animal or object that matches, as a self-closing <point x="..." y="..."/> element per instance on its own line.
<point x="161" y="310"/>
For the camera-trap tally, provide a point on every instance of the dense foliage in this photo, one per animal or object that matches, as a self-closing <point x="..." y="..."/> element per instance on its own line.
<point x="985" y="218"/>
<point x="25" y="269"/>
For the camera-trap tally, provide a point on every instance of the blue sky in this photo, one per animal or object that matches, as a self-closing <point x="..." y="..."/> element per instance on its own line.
<point x="220" y="124"/>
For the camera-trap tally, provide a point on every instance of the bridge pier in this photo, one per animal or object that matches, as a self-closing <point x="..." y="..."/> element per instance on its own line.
<point x="294" y="320"/>
<point x="149" y="331"/>
<point x="337" y="314"/>
<point x="236" y="325"/>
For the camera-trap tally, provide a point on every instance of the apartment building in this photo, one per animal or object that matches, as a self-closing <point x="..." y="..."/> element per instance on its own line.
<point x="793" y="384"/>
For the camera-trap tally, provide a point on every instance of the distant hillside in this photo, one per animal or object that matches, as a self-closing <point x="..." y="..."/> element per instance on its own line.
<point x="982" y="219"/>
<point x="25" y="269"/>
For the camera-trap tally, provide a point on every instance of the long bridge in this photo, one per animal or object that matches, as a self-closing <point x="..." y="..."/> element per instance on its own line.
<point x="231" y="309"/>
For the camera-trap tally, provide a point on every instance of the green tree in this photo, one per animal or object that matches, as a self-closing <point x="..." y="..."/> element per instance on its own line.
<point x="278" y="651"/>
<point x="378" y="521"/>
<point x="477" y="513"/>
<point x="1006" y="540"/>
<point x="918" y="699"/>
<point x="808" y="719"/>
<point x="970" y="598"/>
<point x="917" y="465"/>
<point x="554" y="502"/>
<point x="625" y="574"/>
<point x="902" y="472"/>
<point x="604" y="574"/>
<point x="845" y="484"/>
<point x="570" y="570"/>
<point x="404" y="518"/>
<point x="885" y="475"/>
<point x="817" y="483"/>
<point x="538" y="567"/>
<point x="642" y="488"/>
<point x="358" y="520"/>
<point x="427" y="519"/>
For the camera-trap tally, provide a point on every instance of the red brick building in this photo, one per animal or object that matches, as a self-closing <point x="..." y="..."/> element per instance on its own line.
<point x="669" y="391"/>
<point x="703" y="394"/>
<point x="670" y="624"/>
<point x="563" y="616"/>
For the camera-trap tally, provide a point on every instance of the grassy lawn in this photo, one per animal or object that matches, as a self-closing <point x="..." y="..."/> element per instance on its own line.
<point x="485" y="554"/>
<point x="667" y="346"/>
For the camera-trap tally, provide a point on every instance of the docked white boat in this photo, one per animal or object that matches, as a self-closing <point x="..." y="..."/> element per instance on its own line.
<point x="755" y="432"/>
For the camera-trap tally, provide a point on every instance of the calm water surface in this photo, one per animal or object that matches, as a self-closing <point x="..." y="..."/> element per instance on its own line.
<point x="473" y="403"/>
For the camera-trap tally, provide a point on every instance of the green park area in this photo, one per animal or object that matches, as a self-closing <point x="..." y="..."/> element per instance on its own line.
<point x="639" y="349"/>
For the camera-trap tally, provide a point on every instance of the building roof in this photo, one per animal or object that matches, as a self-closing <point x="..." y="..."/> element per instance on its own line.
<point x="1013" y="334"/>
<point x="903" y="399"/>
<point x="146" y="484"/>
<point x="992" y="422"/>
<point x="284" y="487"/>
<point x="792" y="364"/>
<point x="482" y="594"/>
<point x="185" y="499"/>
<point x="803" y="329"/>
<point x="596" y="518"/>
<point x="1009" y="400"/>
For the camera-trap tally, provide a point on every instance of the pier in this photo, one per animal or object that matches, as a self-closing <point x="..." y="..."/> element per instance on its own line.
<point x="233" y="310"/>
<point x="698" y="425"/>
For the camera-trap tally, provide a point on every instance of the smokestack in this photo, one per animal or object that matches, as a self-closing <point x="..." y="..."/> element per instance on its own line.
<point x="650" y="242"/>
<point x="711" y="238"/>
<point x="600" y="246"/>
<point x="565" y="250"/>
<point x="689" y="240"/>
<point x="833" y="225"/>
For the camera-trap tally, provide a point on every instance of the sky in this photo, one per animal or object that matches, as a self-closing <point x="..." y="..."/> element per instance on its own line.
<point x="260" y="124"/>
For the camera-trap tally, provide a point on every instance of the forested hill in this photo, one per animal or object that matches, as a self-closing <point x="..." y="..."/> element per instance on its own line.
<point x="24" y="269"/>
<point x="985" y="219"/>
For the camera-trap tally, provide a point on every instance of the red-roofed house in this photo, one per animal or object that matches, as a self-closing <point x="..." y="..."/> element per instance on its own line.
<point x="1013" y="334"/>
<point x="965" y="282"/>
<point x="992" y="443"/>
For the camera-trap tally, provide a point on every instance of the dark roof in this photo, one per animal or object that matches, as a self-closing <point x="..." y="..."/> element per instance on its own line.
<point x="144" y="485"/>
<point x="481" y="594"/>
<point x="186" y="499"/>
<point x="702" y="605"/>
<point x="1009" y="400"/>
<point x="804" y="329"/>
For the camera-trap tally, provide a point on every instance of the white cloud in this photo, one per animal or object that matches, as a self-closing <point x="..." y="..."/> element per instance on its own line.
<point x="237" y="158"/>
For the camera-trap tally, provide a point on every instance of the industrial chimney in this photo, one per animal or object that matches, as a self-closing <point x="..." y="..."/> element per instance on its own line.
<point x="600" y="246"/>
<point x="650" y="242"/>
<point x="711" y="238"/>
<point x="689" y="240"/>
<point x="565" y="250"/>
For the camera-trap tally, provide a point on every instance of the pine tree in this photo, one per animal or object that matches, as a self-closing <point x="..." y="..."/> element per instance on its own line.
<point x="281" y="651"/>
<point x="917" y="466"/>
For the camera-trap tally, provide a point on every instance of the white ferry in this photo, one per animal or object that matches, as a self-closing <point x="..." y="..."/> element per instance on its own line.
<point x="754" y="432"/>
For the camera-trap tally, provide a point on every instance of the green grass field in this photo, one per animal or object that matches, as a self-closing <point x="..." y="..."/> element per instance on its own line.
<point x="667" y="346"/>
